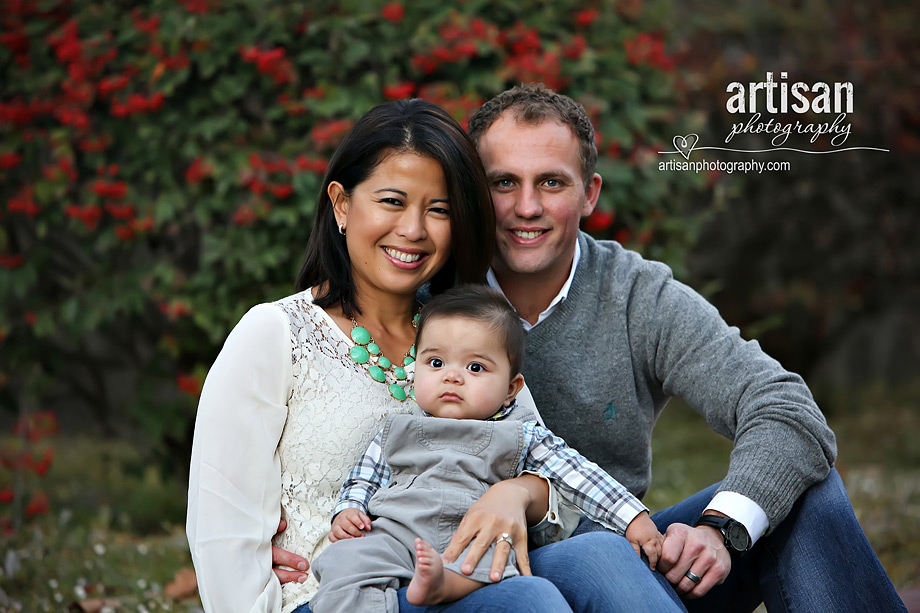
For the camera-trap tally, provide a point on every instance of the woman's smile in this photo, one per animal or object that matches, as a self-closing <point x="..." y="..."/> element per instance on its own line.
<point x="405" y="256"/>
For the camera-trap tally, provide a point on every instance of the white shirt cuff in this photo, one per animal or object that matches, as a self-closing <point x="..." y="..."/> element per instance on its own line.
<point x="741" y="509"/>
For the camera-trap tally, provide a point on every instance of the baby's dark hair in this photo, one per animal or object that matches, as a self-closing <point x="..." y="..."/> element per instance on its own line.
<point x="484" y="304"/>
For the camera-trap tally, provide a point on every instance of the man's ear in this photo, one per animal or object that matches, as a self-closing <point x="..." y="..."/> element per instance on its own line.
<point x="517" y="383"/>
<point x="339" y="201"/>
<point x="592" y="193"/>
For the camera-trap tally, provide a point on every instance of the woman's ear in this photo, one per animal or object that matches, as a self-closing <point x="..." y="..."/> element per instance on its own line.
<point x="339" y="200"/>
<point x="517" y="383"/>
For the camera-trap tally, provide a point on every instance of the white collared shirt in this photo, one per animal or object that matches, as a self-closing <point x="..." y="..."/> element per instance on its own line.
<point x="737" y="506"/>
<point x="562" y="295"/>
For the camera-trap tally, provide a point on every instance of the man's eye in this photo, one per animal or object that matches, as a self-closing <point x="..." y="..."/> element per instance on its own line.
<point x="475" y="367"/>
<point x="435" y="362"/>
<point x="553" y="183"/>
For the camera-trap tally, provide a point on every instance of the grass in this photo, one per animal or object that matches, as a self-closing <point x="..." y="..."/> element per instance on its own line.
<point x="115" y="530"/>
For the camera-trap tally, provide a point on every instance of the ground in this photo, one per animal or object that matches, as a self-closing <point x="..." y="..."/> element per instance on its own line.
<point x="114" y="540"/>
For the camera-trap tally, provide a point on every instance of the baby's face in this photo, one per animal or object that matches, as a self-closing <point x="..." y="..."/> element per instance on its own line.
<point x="462" y="370"/>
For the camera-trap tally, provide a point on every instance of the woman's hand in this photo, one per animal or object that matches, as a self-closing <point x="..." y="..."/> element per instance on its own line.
<point x="504" y="508"/>
<point x="282" y="557"/>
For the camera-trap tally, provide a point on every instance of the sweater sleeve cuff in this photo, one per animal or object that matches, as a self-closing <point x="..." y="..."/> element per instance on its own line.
<point x="742" y="509"/>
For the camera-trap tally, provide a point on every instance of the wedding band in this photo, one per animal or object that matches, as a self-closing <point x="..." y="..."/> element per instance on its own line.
<point x="692" y="577"/>
<point x="505" y="537"/>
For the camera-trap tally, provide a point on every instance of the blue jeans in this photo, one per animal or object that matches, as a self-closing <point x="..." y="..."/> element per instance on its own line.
<point x="598" y="572"/>
<point x="514" y="594"/>
<point x="818" y="559"/>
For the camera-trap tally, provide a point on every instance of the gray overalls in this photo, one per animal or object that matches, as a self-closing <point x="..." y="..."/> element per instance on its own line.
<point x="439" y="468"/>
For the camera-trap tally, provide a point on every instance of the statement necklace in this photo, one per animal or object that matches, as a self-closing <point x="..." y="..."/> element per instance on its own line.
<point x="379" y="367"/>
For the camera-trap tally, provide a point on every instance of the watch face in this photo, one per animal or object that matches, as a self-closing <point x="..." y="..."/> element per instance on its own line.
<point x="738" y="536"/>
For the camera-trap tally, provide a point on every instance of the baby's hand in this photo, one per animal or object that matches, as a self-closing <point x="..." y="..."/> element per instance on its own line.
<point x="644" y="536"/>
<point x="348" y="524"/>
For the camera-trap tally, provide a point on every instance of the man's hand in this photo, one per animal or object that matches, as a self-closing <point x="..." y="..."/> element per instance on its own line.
<point x="700" y="550"/>
<point x="350" y="523"/>
<point x="282" y="557"/>
<point x="502" y="509"/>
<point x="644" y="536"/>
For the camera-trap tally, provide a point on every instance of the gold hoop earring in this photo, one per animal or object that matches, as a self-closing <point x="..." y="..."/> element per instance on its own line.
<point x="342" y="229"/>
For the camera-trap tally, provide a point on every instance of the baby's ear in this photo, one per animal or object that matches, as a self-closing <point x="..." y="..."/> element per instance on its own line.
<point x="517" y="383"/>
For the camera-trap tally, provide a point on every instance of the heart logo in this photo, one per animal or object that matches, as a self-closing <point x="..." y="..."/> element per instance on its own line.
<point x="685" y="144"/>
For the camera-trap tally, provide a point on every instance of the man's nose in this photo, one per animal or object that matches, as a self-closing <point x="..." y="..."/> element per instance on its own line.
<point x="528" y="204"/>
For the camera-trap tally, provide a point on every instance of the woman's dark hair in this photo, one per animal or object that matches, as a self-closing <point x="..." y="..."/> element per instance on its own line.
<point x="404" y="126"/>
<point x="484" y="304"/>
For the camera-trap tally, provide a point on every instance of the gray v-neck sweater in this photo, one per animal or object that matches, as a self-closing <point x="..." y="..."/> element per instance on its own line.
<point x="602" y="366"/>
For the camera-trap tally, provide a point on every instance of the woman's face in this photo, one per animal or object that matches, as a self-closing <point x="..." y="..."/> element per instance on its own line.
<point x="397" y="224"/>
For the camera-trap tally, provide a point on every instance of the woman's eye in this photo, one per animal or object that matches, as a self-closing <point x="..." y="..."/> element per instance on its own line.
<point x="439" y="210"/>
<point x="393" y="201"/>
<point x="475" y="367"/>
<point x="504" y="184"/>
<point x="435" y="362"/>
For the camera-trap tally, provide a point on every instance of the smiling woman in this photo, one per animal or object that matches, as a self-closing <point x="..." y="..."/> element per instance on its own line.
<point x="300" y="386"/>
<point x="423" y="130"/>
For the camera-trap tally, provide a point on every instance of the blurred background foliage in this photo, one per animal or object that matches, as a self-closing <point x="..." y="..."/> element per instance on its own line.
<point x="159" y="166"/>
<point x="818" y="262"/>
<point x="162" y="165"/>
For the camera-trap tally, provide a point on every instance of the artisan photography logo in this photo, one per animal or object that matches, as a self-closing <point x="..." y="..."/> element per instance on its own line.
<point x="778" y="110"/>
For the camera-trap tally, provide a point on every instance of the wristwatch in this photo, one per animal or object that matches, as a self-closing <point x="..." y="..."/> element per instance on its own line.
<point x="736" y="537"/>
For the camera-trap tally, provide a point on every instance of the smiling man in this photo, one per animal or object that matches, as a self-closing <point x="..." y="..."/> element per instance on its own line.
<point x="611" y="337"/>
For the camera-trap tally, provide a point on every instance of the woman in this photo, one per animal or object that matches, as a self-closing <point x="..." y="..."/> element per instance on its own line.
<point x="302" y="384"/>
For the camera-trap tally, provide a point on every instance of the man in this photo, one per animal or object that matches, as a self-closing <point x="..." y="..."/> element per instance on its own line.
<point x="611" y="337"/>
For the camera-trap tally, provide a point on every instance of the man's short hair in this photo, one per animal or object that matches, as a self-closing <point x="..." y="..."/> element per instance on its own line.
<point x="533" y="103"/>
<point x="483" y="304"/>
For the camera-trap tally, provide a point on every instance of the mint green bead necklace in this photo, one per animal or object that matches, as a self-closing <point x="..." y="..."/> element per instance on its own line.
<point x="379" y="367"/>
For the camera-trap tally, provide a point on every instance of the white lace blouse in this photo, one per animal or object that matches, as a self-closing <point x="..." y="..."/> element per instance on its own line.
<point x="284" y="415"/>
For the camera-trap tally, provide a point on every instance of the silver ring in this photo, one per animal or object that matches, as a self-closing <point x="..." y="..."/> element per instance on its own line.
<point x="693" y="577"/>
<point x="505" y="537"/>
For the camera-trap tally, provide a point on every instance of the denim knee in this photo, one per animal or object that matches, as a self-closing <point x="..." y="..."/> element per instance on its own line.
<point x="600" y="571"/>
<point x="538" y="594"/>
<point x="524" y="594"/>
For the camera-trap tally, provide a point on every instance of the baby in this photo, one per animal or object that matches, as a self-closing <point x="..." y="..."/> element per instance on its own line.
<point x="420" y="474"/>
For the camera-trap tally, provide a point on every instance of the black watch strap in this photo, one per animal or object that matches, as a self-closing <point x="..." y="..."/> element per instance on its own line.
<point x="734" y="534"/>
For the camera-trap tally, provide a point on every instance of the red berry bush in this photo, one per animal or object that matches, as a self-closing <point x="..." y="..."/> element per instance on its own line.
<point x="159" y="165"/>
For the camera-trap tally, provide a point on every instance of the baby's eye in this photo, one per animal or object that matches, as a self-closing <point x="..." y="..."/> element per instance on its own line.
<point x="435" y="362"/>
<point x="476" y="367"/>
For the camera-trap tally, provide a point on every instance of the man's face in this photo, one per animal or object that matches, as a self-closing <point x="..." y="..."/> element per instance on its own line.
<point x="536" y="179"/>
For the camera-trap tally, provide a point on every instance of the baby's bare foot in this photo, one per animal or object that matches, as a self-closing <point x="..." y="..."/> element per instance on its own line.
<point x="428" y="582"/>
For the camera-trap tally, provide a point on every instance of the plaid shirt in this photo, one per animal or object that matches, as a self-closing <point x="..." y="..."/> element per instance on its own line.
<point x="580" y="481"/>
